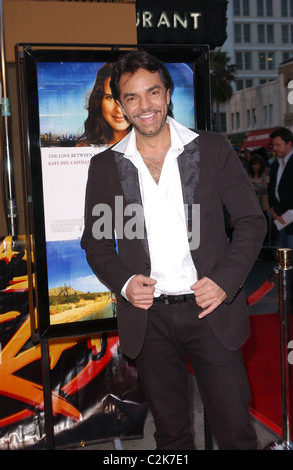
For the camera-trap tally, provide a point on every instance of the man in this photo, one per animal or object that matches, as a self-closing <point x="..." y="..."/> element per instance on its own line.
<point x="175" y="295"/>
<point x="280" y="187"/>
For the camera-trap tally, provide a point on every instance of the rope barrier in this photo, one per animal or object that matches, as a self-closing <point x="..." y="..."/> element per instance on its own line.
<point x="264" y="288"/>
<point x="281" y="273"/>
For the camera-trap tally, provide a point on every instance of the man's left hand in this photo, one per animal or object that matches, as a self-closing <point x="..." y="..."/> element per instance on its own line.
<point x="208" y="295"/>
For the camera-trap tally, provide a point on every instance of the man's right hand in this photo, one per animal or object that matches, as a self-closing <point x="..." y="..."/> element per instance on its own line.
<point x="140" y="291"/>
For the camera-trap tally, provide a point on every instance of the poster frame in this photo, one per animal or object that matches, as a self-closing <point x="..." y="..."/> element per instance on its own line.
<point x="27" y="58"/>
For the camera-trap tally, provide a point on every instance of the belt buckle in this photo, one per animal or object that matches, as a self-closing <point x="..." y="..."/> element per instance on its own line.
<point x="166" y="300"/>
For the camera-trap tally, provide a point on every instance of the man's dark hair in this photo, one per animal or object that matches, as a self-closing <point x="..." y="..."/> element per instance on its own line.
<point x="134" y="60"/>
<point x="285" y="134"/>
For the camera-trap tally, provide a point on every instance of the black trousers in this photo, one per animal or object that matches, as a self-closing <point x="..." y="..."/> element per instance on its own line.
<point x="173" y="331"/>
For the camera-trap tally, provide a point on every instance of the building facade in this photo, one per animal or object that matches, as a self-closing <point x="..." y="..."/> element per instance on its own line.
<point x="260" y="37"/>
<point x="253" y="112"/>
<point x="260" y="42"/>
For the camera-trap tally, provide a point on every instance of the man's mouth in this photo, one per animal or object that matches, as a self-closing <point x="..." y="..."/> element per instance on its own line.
<point x="147" y="117"/>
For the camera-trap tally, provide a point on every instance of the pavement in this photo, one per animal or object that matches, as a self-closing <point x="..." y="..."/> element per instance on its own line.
<point x="268" y="304"/>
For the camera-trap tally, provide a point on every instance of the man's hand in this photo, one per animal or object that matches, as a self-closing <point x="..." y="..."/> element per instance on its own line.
<point x="208" y="295"/>
<point x="277" y="217"/>
<point x="140" y="291"/>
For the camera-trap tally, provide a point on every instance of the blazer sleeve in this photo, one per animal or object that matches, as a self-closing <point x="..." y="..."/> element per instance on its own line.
<point x="249" y="223"/>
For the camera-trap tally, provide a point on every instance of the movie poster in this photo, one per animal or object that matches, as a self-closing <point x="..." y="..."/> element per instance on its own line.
<point x="78" y="119"/>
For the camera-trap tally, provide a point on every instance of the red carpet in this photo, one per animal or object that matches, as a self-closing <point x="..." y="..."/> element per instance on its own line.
<point x="261" y="355"/>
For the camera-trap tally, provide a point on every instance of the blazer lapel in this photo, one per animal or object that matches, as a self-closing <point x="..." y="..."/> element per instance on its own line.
<point x="128" y="176"/>
<point x="189" y="167"/>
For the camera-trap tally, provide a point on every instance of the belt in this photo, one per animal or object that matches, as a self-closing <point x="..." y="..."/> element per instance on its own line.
<point x="173" y="299"/>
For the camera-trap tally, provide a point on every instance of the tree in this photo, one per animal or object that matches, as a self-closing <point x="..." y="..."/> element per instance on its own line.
<point x="222" y="76"/>
<point x="65" y="290"/>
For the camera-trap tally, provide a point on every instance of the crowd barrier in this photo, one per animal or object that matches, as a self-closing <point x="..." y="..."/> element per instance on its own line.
<point x="283" y="270"/>
<point x="281" y="273"/>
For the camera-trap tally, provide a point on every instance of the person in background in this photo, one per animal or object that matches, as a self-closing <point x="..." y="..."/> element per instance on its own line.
<point x="280" y="187"/>
<point x="259" y="178"/>
<point x="280" y="190"/>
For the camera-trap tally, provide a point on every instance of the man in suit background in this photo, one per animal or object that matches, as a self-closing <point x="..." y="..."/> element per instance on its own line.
<point x="177" y="279"/>
<point x="280" y="187"/>
<point x="280" y="190"/>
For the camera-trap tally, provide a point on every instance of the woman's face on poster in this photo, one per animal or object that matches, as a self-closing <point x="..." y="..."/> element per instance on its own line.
<point x="111" y="111"/>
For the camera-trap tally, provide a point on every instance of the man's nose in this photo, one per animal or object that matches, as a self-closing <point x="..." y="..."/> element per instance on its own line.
<point x="145" y="102"/>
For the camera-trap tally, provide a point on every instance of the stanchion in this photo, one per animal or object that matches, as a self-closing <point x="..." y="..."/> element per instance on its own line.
<point x="285" y="261"/>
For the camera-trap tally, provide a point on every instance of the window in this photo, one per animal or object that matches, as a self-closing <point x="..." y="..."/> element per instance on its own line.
<point x="245" y="7"/>
<point x="284" y="8"/>
<point x="261" y="33"/>
<point x="266" y="60"/>
<point x="232" y="121"/>
<point x="286" y="56"/>
<point x="241" y="8"/>
<point x="246" y="32"/>
<point x="239" y="85"/>
<point x="242" y="33"/>
<point x="265" y="33"/>
<point x="237" y="120"/>
<point x="271" y="61"/>
<point x="237" y="33"/>
<point x="243" y="60"/>
<point x="269" y="6"/>
<point x="285" y="34"/>
<point x="239" y="60"/>
<point x="270" y="33"/>
<point x="262" y="60"/>
<point x="248" y="121"/>
<point x="265" y="114"/>
<point x="247" y="61"/>
<point x="260" y="8"/>
<point x="236" y="8"/>
<point x="253" y="116"/>
<point x="270" y="113"/>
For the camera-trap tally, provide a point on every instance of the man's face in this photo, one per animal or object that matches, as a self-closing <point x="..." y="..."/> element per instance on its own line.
<point x="144" y="100"/>
<point x="281" y="147"/>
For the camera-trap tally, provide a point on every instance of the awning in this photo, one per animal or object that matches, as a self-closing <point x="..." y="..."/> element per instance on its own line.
<point x="257" y="139"/>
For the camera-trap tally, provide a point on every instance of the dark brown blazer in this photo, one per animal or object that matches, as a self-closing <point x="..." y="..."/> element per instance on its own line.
<point x="211" y="176"/>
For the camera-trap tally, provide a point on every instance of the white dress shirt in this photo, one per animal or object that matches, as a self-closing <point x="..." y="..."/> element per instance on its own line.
<point x="171" y="263"/>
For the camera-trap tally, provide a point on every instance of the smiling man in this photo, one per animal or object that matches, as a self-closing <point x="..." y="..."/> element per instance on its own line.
<point x="176" y="297"/>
